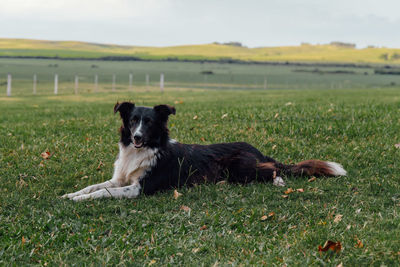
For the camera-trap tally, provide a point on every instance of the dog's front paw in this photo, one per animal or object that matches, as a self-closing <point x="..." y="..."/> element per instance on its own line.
<point x="66" y="196"/>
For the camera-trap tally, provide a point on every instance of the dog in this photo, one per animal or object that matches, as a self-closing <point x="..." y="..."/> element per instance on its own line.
<point x="150" y="161"/>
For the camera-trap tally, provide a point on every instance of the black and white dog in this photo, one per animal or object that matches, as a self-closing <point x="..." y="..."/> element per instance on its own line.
<point x="149" y="161"/>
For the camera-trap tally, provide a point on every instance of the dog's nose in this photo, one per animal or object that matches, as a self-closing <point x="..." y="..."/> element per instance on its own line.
<point x="137" y="138"/>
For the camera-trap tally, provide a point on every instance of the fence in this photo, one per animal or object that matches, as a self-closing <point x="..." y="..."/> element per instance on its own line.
<point x="76" y="83"/>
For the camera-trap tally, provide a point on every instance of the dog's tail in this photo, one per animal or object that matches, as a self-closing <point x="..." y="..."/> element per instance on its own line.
<point x="304" y="168"/>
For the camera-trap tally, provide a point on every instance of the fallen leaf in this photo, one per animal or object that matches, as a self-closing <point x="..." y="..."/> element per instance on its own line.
<point x="178" y="102"/>
<point x="152" y="262"/>
<point x="177" y="194"/>
<point x="358" y="211"/>
<point x="330" y="245"/>
<point x="202" y="139"/>
<point x="288" y="104"/>
<point x="271" y="214"/>
<point x="338" y="218"/>
<point x="195" y="250"/>
<point x="397" y="145"/>
<point x="301" y="190"/>
<point x="195" y="117"/>
<point x="23" y="240"/>
<point x="289" y="191"/>
<point x="273" y="147"/>
<point x="45" y="155"/>
<point x="185" y="208"/>
<point x="358" y="244"/>
<point x="285" y="196"/>
<point x="276" y="115"/>
<point x="100" y="165"/>
<point x="224" y="116"/>
<point x="312" y="179"/>
<point x="204" y="227"/>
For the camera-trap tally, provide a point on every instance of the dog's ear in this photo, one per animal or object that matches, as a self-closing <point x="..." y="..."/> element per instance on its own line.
<point x="124" y="108"/>
<point x="164" y="111"/>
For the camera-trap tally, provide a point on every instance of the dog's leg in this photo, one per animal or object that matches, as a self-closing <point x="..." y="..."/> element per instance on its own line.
<point x="91" y="188"/>
<point x="130" y="191"/>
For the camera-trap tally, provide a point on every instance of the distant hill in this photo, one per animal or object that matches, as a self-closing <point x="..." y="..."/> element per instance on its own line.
<point x="331" y="53"/>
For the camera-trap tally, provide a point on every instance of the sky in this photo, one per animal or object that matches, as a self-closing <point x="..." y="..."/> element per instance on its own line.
<point x="179" y="22"/>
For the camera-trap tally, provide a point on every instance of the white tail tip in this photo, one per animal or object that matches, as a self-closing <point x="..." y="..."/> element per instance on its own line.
<point x="336" y="168"/>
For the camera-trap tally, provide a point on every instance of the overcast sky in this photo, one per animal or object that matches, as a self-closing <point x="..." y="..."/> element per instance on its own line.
<point x="178" y="22"/>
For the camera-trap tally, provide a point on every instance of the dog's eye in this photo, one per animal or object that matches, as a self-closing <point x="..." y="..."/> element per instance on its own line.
<point x="135" y="119"/>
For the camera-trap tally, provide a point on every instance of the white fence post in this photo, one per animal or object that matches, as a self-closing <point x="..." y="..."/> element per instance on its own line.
<point x="76" y="84"/>
<point x="162" y="82"/>
<point x="147" y="81"/>
<point x="9" y="85"/>
<point x="265" y="82"/>
<point x="34" y="83"/>
<point x="113" y="82"/>
<point x="96" y="82"/>
<point x="130" y="81"/>
<point x="55" y="84"/>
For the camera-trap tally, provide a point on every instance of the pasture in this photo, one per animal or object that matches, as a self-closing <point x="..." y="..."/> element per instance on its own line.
<point x="216" y="225"/>
<point x="181" y="75"/>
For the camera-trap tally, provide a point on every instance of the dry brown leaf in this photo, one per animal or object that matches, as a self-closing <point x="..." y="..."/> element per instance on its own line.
<point x="23" y="240"/>
<point x="204" y="227"/>
<point x="45" y="155"/>
<point x="312" y="179"/>
<point x="273" y="147"/>
<point x="301" y="190"/>
<point x="397" y="145"/>
<point x="264" y="217"/>
<point x="195" y="117"/>
<point x="330" y="245"/>
<point x="288" y="104"/>
<point x="185" y="208"/>
<point x="224" y="116"/>
<point x="178" y="102"/>
<point x="152" y="262"/>
<point x="285" y="196"/>
<point x="338" y="218"/>
<point x="276" y="115"/>
<point x="195" y="250"/>
<point x="202" y="139"/>
<point x="358" y="244"/>
<point x="289" y="191"/>
<point x="177" y="194"/>
<point x="100" y="165"/>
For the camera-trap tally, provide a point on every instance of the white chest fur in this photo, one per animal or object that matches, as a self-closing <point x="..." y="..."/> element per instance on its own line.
<point x="132" y="163"/>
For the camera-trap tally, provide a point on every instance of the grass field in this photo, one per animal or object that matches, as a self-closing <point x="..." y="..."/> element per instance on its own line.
<point x="303" y="53"/>
<point x="356" y="127"/>
<point x="182" y="75"/>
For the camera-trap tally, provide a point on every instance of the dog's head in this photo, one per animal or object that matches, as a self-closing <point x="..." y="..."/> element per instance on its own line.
<point x="144" y="126"/>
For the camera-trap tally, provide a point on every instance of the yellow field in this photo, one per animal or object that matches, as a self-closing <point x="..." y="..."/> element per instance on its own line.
<point x="303" y="53"/>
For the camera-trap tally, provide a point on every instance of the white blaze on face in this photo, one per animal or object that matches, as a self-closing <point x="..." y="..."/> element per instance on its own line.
<point x="138" y="130"/>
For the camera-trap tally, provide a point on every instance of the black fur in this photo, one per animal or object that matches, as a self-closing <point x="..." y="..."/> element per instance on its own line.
<point x="188" y="164"/>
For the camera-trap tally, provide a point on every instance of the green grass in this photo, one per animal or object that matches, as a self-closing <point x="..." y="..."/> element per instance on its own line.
<point x="356" y="127"/>
<point x="303" y="53"/>
<point x="180" y="75"/>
